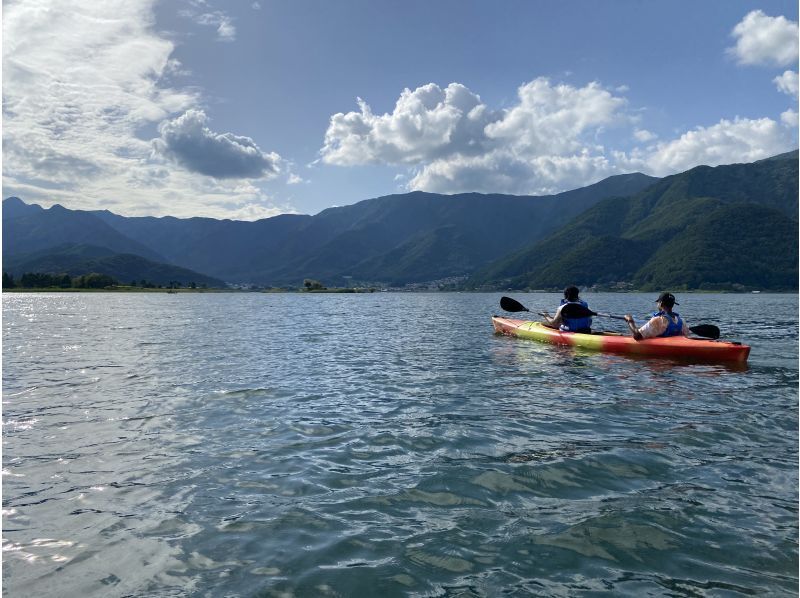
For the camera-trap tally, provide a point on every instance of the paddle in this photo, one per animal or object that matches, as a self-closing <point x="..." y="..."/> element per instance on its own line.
<point x="706" y="330"/>
<point x="509" y="304"/>
<point x="574" y="310"/>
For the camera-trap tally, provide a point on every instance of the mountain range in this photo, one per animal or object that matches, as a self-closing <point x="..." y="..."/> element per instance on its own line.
<point x="393" y="240"/>
<point x="731" y="226"/>
<point x="727" y="227"/>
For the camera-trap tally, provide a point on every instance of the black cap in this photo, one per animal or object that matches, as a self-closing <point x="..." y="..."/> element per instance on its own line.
<point x="667" y="299"/>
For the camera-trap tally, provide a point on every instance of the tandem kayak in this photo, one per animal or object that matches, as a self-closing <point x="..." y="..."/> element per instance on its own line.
<point x="673" y="347"/>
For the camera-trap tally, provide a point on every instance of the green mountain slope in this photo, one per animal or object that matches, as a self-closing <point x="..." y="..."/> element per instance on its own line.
<point x="375" y="240"/>
<point x="673" y="234"/>
<point x="77" y="260"/>
<point x="741" y="244"/>
<point x="431" y="255"/>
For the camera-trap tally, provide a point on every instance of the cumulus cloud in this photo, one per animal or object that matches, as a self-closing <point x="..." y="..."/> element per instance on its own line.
<point x="739" y="140"/>
<point x="187" y="141"/>
<point x="787" y="83"/>
<point x="789" y="118"/>
<point x="761" y="39"/>
<point x="546" y="142"/>
<point x="551" y="119"/>
<point x="457" y="143"/>
<point x="503" y="171"/>
<point x="426" y="123"/>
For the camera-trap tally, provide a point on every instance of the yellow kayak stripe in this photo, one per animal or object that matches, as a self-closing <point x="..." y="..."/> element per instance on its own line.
<point x="679" y="346"/>
<point x="538" y="332"/>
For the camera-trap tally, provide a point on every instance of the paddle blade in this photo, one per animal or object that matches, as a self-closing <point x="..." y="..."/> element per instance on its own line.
<point x="706" y="330"/>
<point x="576" y="310"/>
<point x="509" y="304"/>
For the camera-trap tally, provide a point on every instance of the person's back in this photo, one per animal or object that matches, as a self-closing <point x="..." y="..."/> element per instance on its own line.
<point x="583" y="325"/>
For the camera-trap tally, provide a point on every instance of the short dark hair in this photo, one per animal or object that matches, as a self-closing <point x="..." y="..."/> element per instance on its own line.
<point x="571" y="293"/>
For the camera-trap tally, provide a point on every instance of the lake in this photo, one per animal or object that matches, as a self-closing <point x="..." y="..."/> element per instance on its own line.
<point x="389" y="444"/>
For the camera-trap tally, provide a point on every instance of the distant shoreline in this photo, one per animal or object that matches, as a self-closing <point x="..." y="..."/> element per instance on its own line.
<point x="188" y="290"/>
<point x="359" y="291"/>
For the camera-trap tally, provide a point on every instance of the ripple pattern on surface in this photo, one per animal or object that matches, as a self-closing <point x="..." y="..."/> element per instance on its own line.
<point x="315" y="445"/>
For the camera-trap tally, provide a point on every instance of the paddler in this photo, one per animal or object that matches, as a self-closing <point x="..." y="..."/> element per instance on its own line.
<point x="583" y="325"/>
<point x="664" y="322"/>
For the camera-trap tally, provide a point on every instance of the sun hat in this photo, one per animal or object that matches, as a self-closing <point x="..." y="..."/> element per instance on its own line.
<point x="668" y="299"/>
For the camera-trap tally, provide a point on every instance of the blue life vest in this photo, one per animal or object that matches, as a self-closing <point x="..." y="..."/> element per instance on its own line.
<point x="574" y="324"/>
<point x="673" y="328"/>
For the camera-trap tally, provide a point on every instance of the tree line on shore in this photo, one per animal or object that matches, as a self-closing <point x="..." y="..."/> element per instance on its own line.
<point x="39" y="280"/>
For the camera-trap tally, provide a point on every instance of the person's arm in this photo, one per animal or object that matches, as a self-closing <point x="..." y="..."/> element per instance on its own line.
<point x="655" y="327"/>
<point x="556" y="320"/>
<point x="632" y="325"/>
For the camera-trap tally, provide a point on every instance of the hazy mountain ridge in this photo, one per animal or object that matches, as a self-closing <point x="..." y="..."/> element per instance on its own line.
<point x="633" y="229"/>
<point x="338" y="244"/>
<point x="30" y="228"/>
<point x="393" y="239"/>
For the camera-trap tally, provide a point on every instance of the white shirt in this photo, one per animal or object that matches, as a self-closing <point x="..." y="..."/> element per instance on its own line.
<point x="657" y="325"/>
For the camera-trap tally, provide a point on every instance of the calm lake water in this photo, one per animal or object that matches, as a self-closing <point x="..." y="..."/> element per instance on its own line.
<point x="389" y="445"/>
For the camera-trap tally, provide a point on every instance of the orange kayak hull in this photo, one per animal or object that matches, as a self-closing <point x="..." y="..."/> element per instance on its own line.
<point x="674" y="347"/>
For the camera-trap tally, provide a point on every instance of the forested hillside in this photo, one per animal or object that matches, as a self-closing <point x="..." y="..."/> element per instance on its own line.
<point x="728" y="227"/>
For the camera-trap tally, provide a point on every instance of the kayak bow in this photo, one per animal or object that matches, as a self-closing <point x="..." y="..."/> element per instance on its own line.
<point x="673" y="347"/>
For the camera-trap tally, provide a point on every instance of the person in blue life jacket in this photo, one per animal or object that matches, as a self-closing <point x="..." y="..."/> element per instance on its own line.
<point x="664" y="322"/>
<point x="583" y="325"/>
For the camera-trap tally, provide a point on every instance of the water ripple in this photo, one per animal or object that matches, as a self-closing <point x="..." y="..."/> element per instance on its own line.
<point x="325" y="445"/>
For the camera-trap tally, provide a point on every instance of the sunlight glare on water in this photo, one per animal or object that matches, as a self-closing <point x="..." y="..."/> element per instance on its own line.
<point x="389" y="444"/>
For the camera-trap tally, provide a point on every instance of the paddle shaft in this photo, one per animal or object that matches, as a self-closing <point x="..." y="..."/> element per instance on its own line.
<point x="576" y="310"/>
<point x="579" y="311"/>
<point x="597" y="313"/>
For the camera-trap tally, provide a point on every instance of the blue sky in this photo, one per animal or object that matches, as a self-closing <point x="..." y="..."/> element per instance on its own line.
<point x="247" y="109"/>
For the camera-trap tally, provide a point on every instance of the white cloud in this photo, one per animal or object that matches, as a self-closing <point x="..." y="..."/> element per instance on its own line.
<point x="155" y="191"/>
<point x="82" y="80"/>
<point x="426" y="123"/>
<point x="789" y="118"/>
<point x="787" y="83"/>
<point x="199" y="12"/>
<point x="761" y="39"/>
<point x="552" y="119"/>
<point x="226" y="32"/>
<point x="79" y="79"/>
<point x="727" y="142"/>
<point x="457" y="143"/>
<point x="644" y="136"/>
<point x="548" y="141"/>
<point x="187" y="141"/>
<point x="503" y="171"/>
